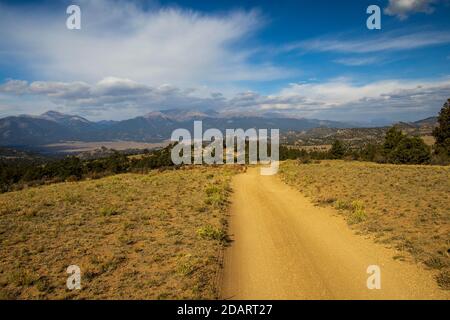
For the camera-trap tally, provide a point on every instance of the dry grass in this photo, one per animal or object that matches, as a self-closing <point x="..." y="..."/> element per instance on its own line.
<point x="133" y="236"/>
<point x="406" y="207"/>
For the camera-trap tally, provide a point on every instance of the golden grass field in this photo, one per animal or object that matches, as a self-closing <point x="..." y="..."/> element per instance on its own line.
<point x="406" y="207"/>
<point x="153" y="236"/>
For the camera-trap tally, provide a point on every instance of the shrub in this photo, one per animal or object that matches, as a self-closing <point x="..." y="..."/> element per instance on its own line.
<point x="21" y="278"/>
<point x="292" y="153"/>
<point x="337" y="150"/>
<point x="401" y="149"/>
<point x="215" y="196"/>
<point x="358" y="214"/>
<point x="440" y="158"/>
<point x="185" y="265"/>
<point x="371" y="152"/>
<point x="443" y="279"/>
<point x="212" y="233"/>
<point x="341" y="205"/>
<point x="435" y="263"/>
<point x="109" y="211"/>
<point x="212" y="190"/>
<point x="410" y="150"/>
<point x="391" y="141"/>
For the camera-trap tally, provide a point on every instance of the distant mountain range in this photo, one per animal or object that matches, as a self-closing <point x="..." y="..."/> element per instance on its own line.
<point x="53" y="127"/>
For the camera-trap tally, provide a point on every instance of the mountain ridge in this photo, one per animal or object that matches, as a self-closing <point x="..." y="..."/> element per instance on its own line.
<point x="53" y="126"/>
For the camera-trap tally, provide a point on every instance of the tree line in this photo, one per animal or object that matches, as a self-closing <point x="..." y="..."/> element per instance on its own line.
<point x="19" y="173"/>
<point x="398" y="148"/>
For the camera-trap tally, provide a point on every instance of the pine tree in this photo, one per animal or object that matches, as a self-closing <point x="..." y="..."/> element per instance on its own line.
<point x="337" y="150"/>
<point x="442" y="132"/>
<point x="392" y="139"/>
<point x="402" y="149"/>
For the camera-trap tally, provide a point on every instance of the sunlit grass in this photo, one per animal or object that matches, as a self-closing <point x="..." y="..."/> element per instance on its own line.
<point x="406" y="207"/>
<point x="133" y="236"/>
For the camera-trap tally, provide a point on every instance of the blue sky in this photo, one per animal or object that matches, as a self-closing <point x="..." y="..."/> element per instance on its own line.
<point x="305" y="58"/>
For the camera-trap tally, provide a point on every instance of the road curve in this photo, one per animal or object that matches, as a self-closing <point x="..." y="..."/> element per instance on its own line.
<point x="284" y="247"/>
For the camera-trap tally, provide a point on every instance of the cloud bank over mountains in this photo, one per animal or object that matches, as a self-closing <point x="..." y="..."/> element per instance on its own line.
<point x="339" y="96"/>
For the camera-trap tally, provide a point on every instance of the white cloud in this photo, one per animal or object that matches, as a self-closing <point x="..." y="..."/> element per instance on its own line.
<point x="15" y="86"/>
<point x="120" y="39"/>
<point x="343" y="92"/>
<point x="343" y="100"/>
<point x="115" y="98"/>
<point x="358" y="61"/>
<point x="403" y="8"/>
<point x="390" y="41"/>
<point x="111" y="97"/>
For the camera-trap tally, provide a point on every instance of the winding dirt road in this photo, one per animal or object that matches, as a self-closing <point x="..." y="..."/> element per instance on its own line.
<point x="284" y="247"/>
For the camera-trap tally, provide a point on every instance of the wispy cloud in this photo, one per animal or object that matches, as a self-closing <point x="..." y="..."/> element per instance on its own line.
<point x="358" y="61"/>
<point x="403" y="8"/>
<point x="391" y="41"/>
<point x="163" y="45"/>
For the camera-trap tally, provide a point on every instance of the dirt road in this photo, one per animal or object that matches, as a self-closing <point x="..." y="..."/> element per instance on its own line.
<point x="284" y="247"/>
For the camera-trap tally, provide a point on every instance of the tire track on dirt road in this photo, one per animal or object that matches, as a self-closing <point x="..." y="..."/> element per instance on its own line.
<point x="284" y="247"/>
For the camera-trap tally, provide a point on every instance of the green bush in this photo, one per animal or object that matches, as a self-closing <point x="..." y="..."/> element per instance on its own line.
<point x="212" y="233"/>
<point x="358" y="213"/>
<point x="401" y="149"/>
<point x="186" y="265"/>
<point x="410" y="150"/>
<point x="337" y="150"/>
<point x="216" y="196"/>
<point x="342" y="205"/>
<point x="391" y="141"/>
<point x="371" y="152"/>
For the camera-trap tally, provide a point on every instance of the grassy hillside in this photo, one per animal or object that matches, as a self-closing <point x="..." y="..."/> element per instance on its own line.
<point x="407" y="207"/>
<point x="153" y="236"/>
